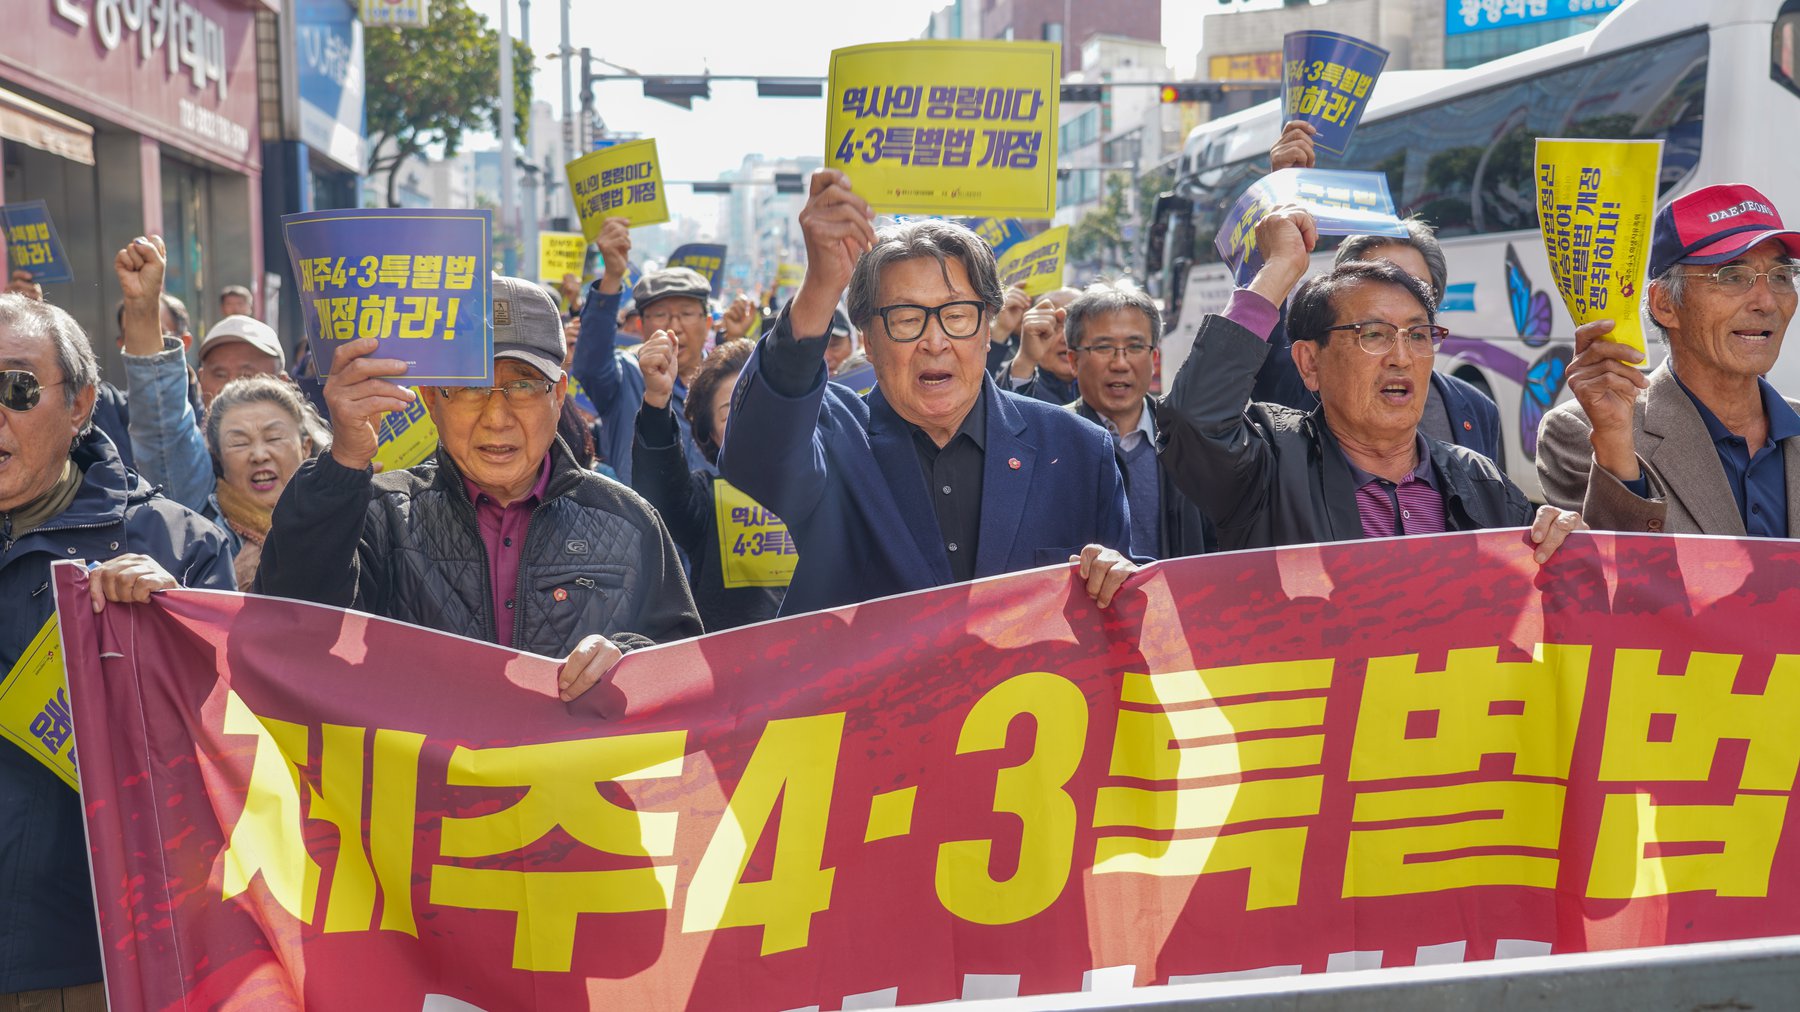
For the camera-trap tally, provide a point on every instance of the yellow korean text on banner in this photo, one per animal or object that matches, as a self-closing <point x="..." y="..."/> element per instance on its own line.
<point x="755" y="548"/>
<point x="947" y="127"/>
<point x="34" y="705"/>
<point x="406" y="438"/>
<point x="1595" y="203"/>
<point x="560" y="253"/>
<point x="1036" y="264"/>
<point x="622" y="181"/>
<point x="789" y="275"/>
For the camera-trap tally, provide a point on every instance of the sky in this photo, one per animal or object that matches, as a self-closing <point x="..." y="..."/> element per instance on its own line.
<point x="772" y="38"/>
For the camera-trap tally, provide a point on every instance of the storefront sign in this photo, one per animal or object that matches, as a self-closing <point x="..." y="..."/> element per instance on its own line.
<point x="329" y="44"/>
<point x="397" y="13"/>
<point x="180" y="71"/>
<point x="1245" y="67"/>
<point x="1462" y="16"/>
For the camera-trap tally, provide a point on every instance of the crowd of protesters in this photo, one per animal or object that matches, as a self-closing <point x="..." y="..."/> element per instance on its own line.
<point x="574" y="507"/>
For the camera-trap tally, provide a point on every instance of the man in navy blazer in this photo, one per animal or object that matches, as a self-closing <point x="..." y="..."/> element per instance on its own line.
<point x="936" y="476"/>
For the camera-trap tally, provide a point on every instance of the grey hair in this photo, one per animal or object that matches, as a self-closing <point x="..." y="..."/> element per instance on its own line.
<point x="264" y="390"/>
<point x="940" y="240"/>
<point x="1419" y="236"/>
<point x="1673" y="282"/>
<point x="32" y="318"/>
<point x="1104" y="297"/>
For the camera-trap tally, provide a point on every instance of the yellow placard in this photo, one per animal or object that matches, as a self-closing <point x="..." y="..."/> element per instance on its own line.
<point x="961" y="127"/>
<point x="34" y="705"/>
<point x="755" y="548"/>
<point x="1595" y="203"/>
<point x="789" y="275"/>
<point x="622" y="181"/>
<point x="406" y="437"/>
<point x="560" y="253"/>
<point x="1036" y="264"/>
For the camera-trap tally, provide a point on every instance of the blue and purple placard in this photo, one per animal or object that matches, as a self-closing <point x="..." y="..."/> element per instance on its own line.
<point x="1001" y="234"/>
<point x="1341" y="203"/>
<point x="1326" y="80"/>
<point x="705" y="257"/>
<point x="31" y="242"/>
<point x="416" y="279"/>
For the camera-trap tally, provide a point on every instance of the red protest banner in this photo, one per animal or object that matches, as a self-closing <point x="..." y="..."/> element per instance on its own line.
<point x="1382" y="753"/>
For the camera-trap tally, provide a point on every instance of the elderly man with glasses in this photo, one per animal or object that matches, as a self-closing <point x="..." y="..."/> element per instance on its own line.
<point x="1703" y="444"/>
<point x="1364" y="336"/>
<point x="65" y="494"/>
<point x="935" y="476"/>
<point x="1113" y="332"/>
<point x="503" y="536"/>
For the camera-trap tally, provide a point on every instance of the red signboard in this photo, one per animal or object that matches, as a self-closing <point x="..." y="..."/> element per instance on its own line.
<point x="181" y="71"/>
<point x="1372" y="754"/>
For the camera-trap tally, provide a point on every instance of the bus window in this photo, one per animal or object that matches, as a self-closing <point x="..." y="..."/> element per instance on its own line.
<point x="1784" y="52"/>
<point x="1466" y="165"/>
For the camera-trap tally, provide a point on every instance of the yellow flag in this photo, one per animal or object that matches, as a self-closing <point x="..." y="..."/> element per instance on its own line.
<point x="622" y="181"/>
<point x="1595" y="204"/>
<point x="755" y="548"/>
<point x="947" y="127"/>
<point x="34" y="705"/>
<point x="1037" y="264"/>
<point x="560" y="253"/>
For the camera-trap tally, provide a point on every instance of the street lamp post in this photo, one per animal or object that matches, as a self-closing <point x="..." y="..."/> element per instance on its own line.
<point x="508" y="220"/>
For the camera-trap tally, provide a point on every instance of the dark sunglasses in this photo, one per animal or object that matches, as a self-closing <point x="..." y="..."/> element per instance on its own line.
<point x="20" y="390"/>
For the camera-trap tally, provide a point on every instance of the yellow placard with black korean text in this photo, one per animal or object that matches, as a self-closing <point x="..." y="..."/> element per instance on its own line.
<point x="1037" y="264"/>
<point x="406" y="438"/>
<point x="960" y="127"/>
<point x="755" y="548"/>
<point x="1595" y="203"/>
<point x="621" y="181"/>
<point x="789" y="275"/>
<point x="560" y="253"/>
<point x="34" y="705"/>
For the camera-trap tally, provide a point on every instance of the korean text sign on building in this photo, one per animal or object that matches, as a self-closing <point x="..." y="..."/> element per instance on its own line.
<point x="1326" y="81"/>
<point x="1397" y="753"/>
<point x="415" y="279"/>
<point x="1595" y="202"/>
<point x="1461" y="16"/>
<point x="1341" y="203"/>
<point x="1037" y="264"/>
<point x="619" y="181"/>
<point x="31" y="242"/>
<point x="947" y="127"/>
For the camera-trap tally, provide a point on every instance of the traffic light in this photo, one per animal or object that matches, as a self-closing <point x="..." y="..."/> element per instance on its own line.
<point x="1173" y="93"/>
<point x="1083" y="93"/>
<point x="720" y="188"/>
<point x="679" y="91"/>
<point x="789" y="182"/>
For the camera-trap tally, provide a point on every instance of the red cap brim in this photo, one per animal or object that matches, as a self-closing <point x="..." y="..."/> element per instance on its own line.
<point x="1733" y="246"/>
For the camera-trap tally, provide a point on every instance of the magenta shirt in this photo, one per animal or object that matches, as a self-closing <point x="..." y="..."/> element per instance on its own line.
<point x="503" y="532"/>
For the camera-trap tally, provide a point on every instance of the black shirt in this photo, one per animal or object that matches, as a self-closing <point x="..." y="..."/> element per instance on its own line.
<point x="952" y="474"/>
<point x="953" y="477"/>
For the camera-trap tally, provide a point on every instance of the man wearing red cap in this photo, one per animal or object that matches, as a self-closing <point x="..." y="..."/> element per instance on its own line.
<point x="1703" y="444"/>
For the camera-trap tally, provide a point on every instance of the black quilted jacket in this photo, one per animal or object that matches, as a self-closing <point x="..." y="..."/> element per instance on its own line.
<point x="596" y="557"/>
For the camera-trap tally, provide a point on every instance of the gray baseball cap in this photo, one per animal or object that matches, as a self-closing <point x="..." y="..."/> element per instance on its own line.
<point x="527" y="326"/>
<point x="675" y="281"/>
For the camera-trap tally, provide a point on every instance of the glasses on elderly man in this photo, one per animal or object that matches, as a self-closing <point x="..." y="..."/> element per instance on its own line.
<point x="1739" y="278"/>
<point x="1134" y="351"/>
<point x="21" y="391"/>
<point x="662" y="318"/>
<point x="1377" y="337"/>
<point x="906" y="323"/>
<point x="518" y="393"/>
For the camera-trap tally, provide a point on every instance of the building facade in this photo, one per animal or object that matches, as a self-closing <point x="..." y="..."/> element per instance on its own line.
<point x="131" y="119"/>
<point x="1070" y="22"/>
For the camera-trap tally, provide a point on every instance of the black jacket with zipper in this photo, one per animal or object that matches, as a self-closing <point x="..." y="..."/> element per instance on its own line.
<point x="407" y="545"/>
<point x="1268" y="475"/>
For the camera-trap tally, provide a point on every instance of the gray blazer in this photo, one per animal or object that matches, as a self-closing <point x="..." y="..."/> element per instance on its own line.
<point x="1688" y="490"/>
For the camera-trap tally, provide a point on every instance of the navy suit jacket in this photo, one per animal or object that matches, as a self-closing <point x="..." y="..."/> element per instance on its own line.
<point x="843" y="473"/>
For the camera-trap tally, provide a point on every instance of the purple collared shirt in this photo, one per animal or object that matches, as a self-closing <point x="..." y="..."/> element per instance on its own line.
<point x="503" y="533"/>
<point x="1412" y="506"/>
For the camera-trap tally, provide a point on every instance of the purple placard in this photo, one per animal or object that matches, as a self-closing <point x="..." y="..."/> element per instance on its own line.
<point x="416" y="279"/>
<point x="1326" y="80"/>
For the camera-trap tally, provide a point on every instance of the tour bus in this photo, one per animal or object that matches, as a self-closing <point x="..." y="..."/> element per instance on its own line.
<point x="1715" y="81"/>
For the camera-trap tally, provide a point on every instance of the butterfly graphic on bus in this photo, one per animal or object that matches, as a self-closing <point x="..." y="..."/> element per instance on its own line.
<point x="1544" y="378"/>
